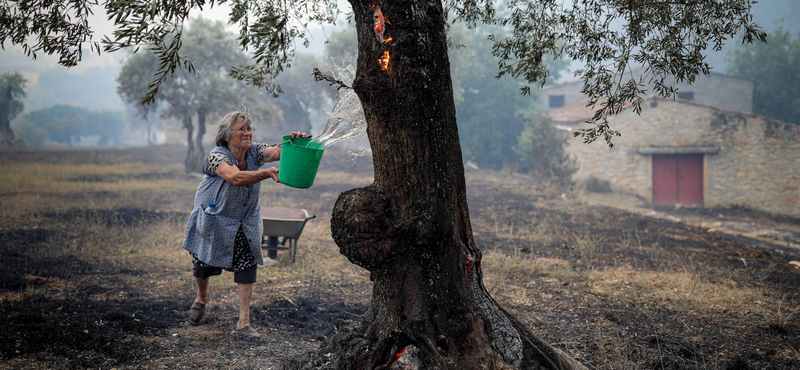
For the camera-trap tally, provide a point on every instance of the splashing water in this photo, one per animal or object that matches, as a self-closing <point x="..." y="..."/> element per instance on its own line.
<point x="346" y="120"/>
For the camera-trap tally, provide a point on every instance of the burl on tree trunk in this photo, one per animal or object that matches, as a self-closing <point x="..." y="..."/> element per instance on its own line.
<point x="411" y="227"/>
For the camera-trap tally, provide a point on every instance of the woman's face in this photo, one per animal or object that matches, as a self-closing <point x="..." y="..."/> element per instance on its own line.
<point x="241" y="134"/>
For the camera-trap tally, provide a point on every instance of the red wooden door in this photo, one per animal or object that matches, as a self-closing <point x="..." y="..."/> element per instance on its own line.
<point x="678" y="179"/>
<point x="690" y="179"/>
<point x="665" y="173"/>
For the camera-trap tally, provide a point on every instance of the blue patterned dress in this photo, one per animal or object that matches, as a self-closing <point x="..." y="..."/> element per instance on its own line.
<point x="229" y="236"/>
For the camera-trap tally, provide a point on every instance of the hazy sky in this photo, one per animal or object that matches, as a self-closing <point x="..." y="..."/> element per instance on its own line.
<point x="92" y="83"/>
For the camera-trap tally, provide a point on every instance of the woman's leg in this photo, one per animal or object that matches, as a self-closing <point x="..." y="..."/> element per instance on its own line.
<point x="245" y="297"/>
<point x="202" y="273"/>
<point x="244" y="281"/>
<point x="202" y="290"/>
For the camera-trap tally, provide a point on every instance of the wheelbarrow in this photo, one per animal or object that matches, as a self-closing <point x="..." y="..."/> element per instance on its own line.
<point x="286" y="223"/>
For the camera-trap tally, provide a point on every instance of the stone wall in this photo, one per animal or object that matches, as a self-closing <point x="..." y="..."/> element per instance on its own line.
<point x="715" y="89"/>
<point x="755" y="161"/>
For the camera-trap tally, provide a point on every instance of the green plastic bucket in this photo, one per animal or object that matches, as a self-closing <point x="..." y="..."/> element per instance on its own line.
<point x="299" y="161"/>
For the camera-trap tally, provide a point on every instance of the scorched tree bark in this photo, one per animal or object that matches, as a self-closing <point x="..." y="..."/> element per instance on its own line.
<point x="411" y="227"/>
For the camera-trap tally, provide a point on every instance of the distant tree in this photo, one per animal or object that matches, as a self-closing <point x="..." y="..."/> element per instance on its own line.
<point x="773" y="68"/>
<point x="29" y="132"/>
<point x="205" y="90"/>
<point x="67" y="124"/>
<point x="149" y="123"/>
<point x="132" y="83"/>
<point x="342" y="44"/>
<point x="108" y="125"/>
<point x="301" y="95"/>
<point x="490" y="111"/>
<point x="12" y="90"/>
<point x="63" y="123"/>
<point x="541" y="152"/>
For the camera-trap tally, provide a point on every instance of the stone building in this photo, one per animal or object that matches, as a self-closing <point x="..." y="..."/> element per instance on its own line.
<point x="688" y="153"/>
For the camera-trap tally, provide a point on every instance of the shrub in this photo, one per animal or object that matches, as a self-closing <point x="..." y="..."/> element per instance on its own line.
<point x="32" y="135"/>
<point x="541" y="152"/>
<point x="595" y="185"/>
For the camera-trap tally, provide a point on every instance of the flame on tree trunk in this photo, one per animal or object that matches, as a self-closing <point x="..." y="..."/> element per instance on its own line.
<point x="411" y="227"/>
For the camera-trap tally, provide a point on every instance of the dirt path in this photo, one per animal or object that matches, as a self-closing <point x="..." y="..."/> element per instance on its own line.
<point x="770" y="233"/>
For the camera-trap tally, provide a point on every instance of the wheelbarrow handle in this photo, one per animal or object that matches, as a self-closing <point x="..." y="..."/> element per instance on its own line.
<point x="310" y="217"/>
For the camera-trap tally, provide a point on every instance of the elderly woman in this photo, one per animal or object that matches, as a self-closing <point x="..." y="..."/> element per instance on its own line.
<point x="224" y="229"/>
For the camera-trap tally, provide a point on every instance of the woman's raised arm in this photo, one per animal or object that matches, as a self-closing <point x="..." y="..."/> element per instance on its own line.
<point x="237" y="177"/>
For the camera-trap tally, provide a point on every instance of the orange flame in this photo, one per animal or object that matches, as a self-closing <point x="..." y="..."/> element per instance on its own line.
<point x="380" y="24"/>
<point x="380" y="28"/>
<point x="378" y="18"/>
<point x="396" y="357"/>
<point x="383" y="61"/>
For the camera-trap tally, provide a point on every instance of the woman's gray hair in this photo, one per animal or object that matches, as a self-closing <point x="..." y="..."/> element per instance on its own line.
<point x="226" y="123"/>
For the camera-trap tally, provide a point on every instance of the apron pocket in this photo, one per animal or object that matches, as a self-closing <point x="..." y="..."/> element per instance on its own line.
<point x="206" y="223"/>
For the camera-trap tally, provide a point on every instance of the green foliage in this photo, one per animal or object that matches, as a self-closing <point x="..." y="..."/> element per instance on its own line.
<point x="67" y="124"/>
<point x="12" y="88"/>
<point x="133" y="80"/>
<point x="667" y="38"/>
<point x="773" y="68"/>
<point x="53" y="27"/>
<point x="207" y="88"/>
<point x="302" y="96"/>
<point x="32" y="135"/>
<point x="491" y="112"/>
<point x="541" y="152"/>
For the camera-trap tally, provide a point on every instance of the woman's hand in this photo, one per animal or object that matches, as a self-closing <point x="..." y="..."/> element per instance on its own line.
<point x="272" y="173"/>
<point x="297" y="134"/>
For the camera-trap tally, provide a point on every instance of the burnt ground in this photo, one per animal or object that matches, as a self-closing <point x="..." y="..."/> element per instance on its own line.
<point x="650" y="334"/>
<point x="96" y="279"/>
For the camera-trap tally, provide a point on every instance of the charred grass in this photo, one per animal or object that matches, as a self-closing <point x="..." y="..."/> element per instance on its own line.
<point x="93" y="274"/>
<point x="621" y="291"/>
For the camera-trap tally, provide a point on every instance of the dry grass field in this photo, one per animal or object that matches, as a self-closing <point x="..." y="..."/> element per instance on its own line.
<point x="92" y="274"/>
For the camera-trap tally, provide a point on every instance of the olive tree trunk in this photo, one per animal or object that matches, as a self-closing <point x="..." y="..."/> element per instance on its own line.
<point x="190" y="163"/>
<point x="7" y="137"/>
<point x="201" y="130"/>
<point x="411" y="227"/>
